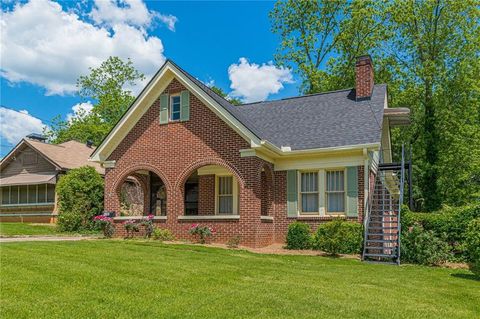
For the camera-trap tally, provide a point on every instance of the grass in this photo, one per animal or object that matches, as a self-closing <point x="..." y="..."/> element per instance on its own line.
<point x="19" y="229"/>
<point x="138" y="279"/>
<point x="32" y="229"/>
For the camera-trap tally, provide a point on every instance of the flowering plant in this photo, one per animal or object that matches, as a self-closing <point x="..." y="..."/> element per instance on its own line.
<point x="106" y="225"/>
<point x="203" y="232"/>
<point x="147" y="222"/>
<point x="131" y="226"/>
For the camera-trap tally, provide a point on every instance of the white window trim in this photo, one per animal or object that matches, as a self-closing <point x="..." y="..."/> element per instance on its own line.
<point x="234" y="194"/>
<point x="170" y="106"/>
<point x="36" y="203"/>
<point x="344" y="170"/>
<point x="299" y="183"/>
<point x="322" y="192"/>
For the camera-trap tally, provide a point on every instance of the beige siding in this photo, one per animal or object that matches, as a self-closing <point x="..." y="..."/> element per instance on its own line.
<point x="28" y="161"/>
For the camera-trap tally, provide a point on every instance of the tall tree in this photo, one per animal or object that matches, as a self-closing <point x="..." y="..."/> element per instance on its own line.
<point x="432" y="40"/>
<point x="108" y="86"/>
<point x="309" y="31"/>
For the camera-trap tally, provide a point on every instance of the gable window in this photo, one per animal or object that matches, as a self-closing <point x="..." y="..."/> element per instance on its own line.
<point x="309" y="192"/>
<point x="174" y="107"/>
<point x="335" y="191"/>
<point x="225" y="195"/>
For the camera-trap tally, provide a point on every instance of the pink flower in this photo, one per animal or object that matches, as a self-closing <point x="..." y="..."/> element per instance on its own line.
<point x="151" y="216"/>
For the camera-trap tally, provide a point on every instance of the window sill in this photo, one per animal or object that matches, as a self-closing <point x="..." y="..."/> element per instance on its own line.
<point x="27" y="205"/>
<point x="266" y="218"/>
<point x="210" y="217"/>
<point x="324" y="217"/>
<point x="138" y="217"/>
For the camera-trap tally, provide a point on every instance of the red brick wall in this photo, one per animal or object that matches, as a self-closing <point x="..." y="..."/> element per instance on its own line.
<point x="206" y="195"/>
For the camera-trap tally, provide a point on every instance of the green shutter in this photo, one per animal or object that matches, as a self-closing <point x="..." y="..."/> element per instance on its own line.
<point x="185" y="107"/>
<point x="352" y="191"/>
<point x="292" y="194"/>
<point x="163" y="108"/>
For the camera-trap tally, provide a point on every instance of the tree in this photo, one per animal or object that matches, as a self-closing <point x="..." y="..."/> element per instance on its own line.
<point x="108" y="86"/>
<point x="309" y="32"/>
<point x="434" y="41"/>
<point x="220" y="92"/>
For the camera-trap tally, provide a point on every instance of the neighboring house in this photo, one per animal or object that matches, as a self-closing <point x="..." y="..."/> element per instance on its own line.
<point x="253" y="169"/>
<point x="29" y="173"/>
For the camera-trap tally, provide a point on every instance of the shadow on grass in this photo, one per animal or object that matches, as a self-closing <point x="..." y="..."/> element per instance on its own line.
<point x="466" y="276"/>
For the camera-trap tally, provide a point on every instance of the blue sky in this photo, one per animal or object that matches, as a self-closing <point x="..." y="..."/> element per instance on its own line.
<point x="48" y="44"/>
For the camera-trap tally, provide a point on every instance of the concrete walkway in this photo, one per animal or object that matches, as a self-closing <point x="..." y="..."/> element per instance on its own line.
<point x="45" y="238"/>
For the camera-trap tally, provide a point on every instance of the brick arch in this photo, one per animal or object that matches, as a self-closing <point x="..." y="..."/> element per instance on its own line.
<point x="203" y="162"/>
<point x="130" y="170"/>
<point x="267" y="195"/>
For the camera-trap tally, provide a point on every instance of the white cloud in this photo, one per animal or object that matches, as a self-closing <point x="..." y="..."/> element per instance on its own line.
<point x="18" y="124"/>
<point x="111" y="12"/>
<point x="46" y="46"/>
<point x="169" y="20"/>
<point x="252" y="82"/>
<point x="80" y="110"/>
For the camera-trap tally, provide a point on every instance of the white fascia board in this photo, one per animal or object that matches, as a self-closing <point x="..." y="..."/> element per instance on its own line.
<point x="256" y="153"/>
<point x="313" y="151"/>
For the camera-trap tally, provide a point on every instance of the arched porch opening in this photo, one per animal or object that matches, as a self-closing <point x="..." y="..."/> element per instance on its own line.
<point x="211" y="190"/>
<point x="142" y="192"/>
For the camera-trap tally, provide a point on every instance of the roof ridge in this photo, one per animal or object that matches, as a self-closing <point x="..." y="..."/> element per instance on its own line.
<point x="305" y="95"/>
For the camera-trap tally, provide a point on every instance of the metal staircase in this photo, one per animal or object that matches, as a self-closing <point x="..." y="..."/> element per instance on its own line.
<point x="382" y="224"/>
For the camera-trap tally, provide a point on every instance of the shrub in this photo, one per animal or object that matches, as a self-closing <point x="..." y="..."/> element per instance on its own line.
<point x="80" y="197"/>
<point x="423" y="247"/>
<point x="299" y="236"/>
<point x="472" y="245"/>
<point x="162" y="234"/>
<point x="69" y="222"/>
<point x="339" y="237"/>
<point x="234" y="242"/>
<point x="449" y="223"/>
<point x="202" y="232"/>
<point x="105" y="224"/>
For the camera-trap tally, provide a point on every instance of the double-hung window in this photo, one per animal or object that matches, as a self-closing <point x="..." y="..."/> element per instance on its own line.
<point x="335" y="191"/>
<point x="225" y="195"/>
<point x="174" y="107"/>
<point x="309" y="192"/>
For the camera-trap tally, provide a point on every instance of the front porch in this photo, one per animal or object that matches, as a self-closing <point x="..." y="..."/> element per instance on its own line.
<point x="212" y="194"/>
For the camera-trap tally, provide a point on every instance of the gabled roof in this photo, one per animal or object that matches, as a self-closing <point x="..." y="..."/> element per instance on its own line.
<point x="311" y="122"/>
<point x="64" y="156"/>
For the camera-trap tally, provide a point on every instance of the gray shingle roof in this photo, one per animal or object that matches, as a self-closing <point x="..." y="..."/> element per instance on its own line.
<point x="330" y="119"/>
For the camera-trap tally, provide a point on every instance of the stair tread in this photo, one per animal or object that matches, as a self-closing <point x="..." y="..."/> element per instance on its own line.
<point x="381" y="241"/>
<point x="380" y="255"/>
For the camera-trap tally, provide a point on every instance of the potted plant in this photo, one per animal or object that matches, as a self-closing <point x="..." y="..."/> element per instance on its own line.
<point x="105" y="224"/>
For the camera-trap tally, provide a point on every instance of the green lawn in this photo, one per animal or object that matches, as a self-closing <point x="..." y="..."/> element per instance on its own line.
<point x="136" y="279"/>
<point x="19" y="229"/>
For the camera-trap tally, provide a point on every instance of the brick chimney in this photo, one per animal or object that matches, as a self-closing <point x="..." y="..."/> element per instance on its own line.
<point x="363" y="78"/>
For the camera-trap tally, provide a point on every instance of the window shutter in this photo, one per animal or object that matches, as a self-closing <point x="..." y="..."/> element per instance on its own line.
<point x="163" y="108"/>
<point x="292" y="193"/>
<point x="352" y="191"/>
<point x="185" y="107"/>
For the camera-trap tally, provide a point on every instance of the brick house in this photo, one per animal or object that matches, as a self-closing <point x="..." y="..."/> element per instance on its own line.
<point x="28" y="177"/>
<point x="248" y="170"/>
